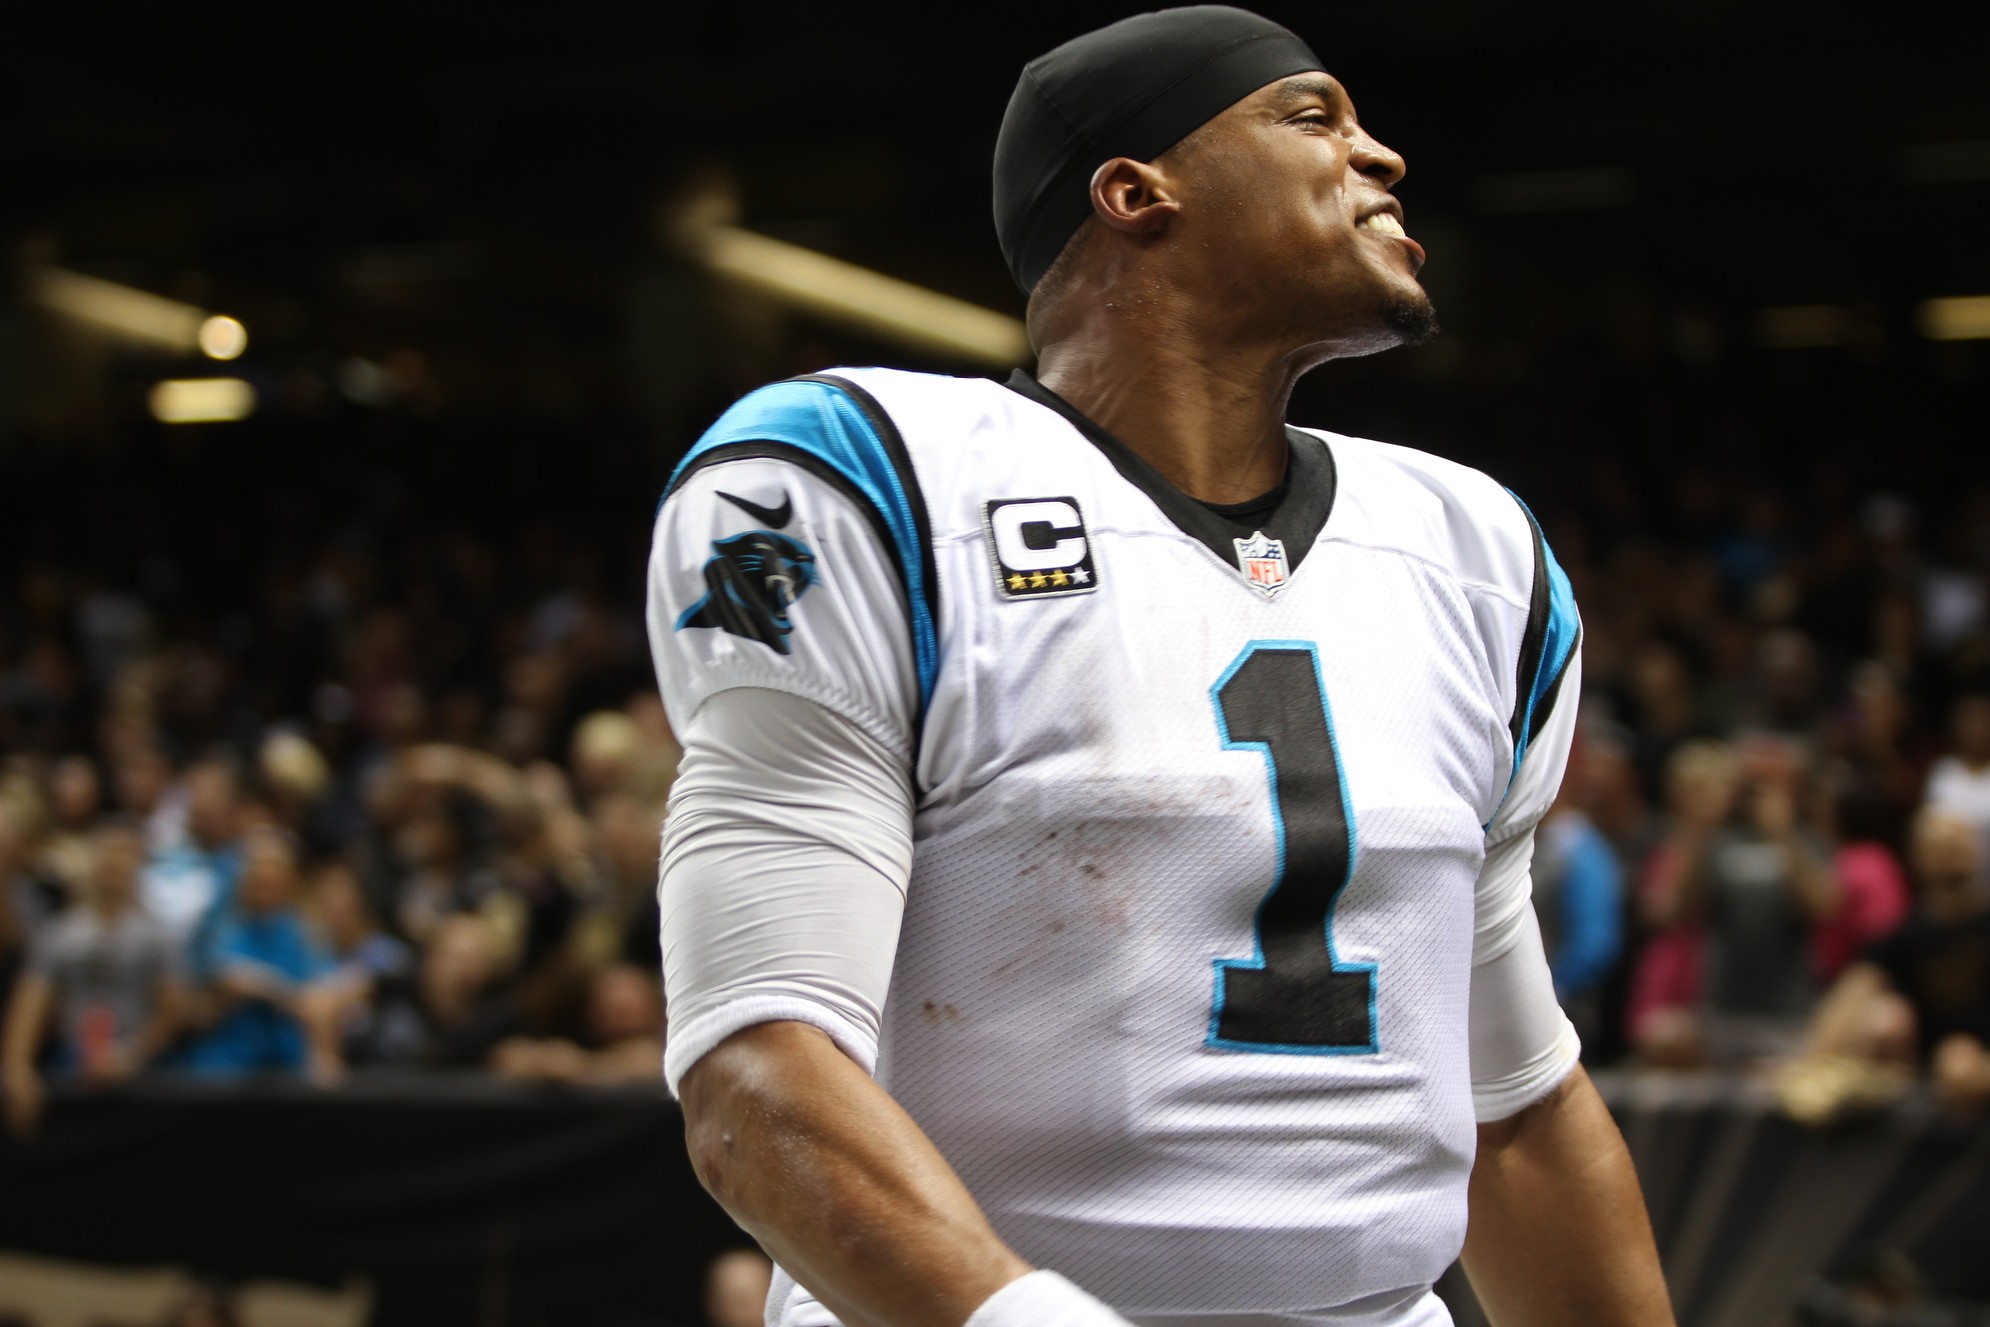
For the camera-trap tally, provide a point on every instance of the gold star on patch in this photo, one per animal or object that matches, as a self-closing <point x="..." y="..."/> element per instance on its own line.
<point x="1018" y="582"/>
<point x="1038" y="580"/>
<point x="1058" y="578"/>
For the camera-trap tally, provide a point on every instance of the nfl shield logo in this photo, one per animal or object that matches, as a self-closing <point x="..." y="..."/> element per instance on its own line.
<point x="1262" y="561"/>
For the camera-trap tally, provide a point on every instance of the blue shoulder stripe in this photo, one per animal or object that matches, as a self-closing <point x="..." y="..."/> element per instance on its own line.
<point x="835" y="429"/>
<point x="1548" y="643"/>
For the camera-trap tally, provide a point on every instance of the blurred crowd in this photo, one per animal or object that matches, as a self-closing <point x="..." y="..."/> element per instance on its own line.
<point x="329" y="742"/>
<point x="1772" y="848"/>
<point x="399" y="875"/>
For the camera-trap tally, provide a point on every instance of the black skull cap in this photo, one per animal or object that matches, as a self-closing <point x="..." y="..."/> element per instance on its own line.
<point x="1132" y="89"/>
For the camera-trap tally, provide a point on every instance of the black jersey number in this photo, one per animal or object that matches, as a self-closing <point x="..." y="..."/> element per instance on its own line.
<point x="1294" y="996"/>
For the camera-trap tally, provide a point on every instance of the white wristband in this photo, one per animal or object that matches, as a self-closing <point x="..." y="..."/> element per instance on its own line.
<point x="1043" y="1299"/>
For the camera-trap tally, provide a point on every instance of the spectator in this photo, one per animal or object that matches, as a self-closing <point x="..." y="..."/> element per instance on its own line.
<point x="605" y="749"/>
<point x="190" y="882"/>
<point x="627" y="843"/>
<point x="1871" y="736"/>
<point x="74" y="799"/>
<point x="1663" y="1021"/>
<point x="104" y="975"/>
<point x="1760" y="884"/>
<point x="296" y="779"/>
<point x="1959" y="783"/>
<point x="1579" y="898"/>
<point x="1733" y="895"/>
<point x="1922" y="995"/>
<point x="455" y="1011"/>
<point x="624" y="1037"/>
<point x="1872" y="889"/>
<point x="142" y="777"/>
<point x="264" y="960"/>
<point x="338" y="1009"/>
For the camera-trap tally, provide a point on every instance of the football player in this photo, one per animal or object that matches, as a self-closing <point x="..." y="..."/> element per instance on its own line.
<point x="1096" y="886"/>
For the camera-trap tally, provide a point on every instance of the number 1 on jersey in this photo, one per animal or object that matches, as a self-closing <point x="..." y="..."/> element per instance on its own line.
<point x="1294" y="997"/>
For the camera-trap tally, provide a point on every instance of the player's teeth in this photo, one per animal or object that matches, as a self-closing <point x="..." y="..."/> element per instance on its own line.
<point x="1385" y="223"/>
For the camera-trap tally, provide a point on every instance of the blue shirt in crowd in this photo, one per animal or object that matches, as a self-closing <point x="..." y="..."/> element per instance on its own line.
<point x="256" y="1034"/>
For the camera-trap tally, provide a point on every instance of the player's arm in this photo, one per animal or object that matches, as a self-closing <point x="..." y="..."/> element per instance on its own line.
<point x="785" y="864"/>
<point x="1558" y="1234"/>
<point x="820" y="1165"/>
<point x="794" y="638"/>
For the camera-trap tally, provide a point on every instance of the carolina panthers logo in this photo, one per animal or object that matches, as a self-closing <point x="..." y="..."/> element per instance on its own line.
<point x="750" y="584"/>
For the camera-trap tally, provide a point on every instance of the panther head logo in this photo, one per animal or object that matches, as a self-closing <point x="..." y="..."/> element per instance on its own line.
<point x="749" y="586"/>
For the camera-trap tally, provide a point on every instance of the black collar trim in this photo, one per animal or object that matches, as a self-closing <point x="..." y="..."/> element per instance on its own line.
<point x="1295" y="516"/>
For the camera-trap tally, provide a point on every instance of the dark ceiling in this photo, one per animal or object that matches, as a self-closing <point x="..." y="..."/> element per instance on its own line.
<point x="1742" y="153"/>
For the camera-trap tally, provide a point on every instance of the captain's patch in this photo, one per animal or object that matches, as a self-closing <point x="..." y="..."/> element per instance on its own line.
<point x="1040" y="547"/>
<point x="751" y="581"/>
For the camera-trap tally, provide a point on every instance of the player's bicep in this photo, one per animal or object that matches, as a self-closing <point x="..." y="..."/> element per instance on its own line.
<point x="766" y="573"/>
<point x="785" y="861"/>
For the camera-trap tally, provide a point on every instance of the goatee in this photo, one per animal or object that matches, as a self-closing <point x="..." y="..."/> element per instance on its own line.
<point x="1413" y="318"/>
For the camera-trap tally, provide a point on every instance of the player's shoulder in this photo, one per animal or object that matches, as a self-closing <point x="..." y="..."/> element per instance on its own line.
<point x="861" y="422"/>
<point x="893" y="399"/>
<point x="1433" y="508"/>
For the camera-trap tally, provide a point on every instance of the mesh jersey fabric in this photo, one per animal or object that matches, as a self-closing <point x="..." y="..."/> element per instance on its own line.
<point x="1091" y="853"/>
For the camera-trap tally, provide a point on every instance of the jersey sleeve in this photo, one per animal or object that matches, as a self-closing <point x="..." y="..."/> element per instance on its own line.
<point x="1522" y="1043"/>
<point x="791" y="554"/>
<point x="1547" y="695"/>
<point x="785" y="861"/>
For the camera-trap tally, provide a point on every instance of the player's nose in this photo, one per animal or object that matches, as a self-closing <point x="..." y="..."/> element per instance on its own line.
<point x="1376" y="160"/>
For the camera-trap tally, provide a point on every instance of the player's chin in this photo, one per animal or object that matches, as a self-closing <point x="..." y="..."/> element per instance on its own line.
<point x="1410" y="316"/>
<point x="1402" y="315"/>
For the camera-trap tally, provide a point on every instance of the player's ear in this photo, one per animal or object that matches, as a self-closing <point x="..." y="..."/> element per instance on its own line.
<point x="1133" y="196"/>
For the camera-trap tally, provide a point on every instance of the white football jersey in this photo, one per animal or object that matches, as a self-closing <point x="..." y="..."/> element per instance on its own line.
<point x="1182" y="984"/>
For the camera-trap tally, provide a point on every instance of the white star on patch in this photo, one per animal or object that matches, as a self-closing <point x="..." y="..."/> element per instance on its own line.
<point x="1079" y="576"/>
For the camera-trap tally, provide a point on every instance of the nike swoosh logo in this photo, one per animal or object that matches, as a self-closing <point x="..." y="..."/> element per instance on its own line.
<point x="774" y="518"/>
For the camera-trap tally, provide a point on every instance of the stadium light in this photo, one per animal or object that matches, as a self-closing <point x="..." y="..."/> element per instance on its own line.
<point x="862" y="299"/>
<point x="1957" y="318"/>
<point x="222" y="337"/>
<point x="202" y="400"/>
<point x="138" y="315"/>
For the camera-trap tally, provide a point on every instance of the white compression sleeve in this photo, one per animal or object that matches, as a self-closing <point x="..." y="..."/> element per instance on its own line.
<point x="785" y="860"/>
<point x="1523" y="1046"/>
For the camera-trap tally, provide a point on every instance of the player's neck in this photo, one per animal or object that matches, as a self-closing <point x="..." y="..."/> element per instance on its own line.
<point x="1210" y="419"/>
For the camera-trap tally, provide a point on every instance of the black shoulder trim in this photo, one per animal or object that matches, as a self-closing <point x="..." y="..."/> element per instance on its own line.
<point x="1534" y="640"/>
<point x="1546" y="705"/>
<point x="908" y="479"/>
